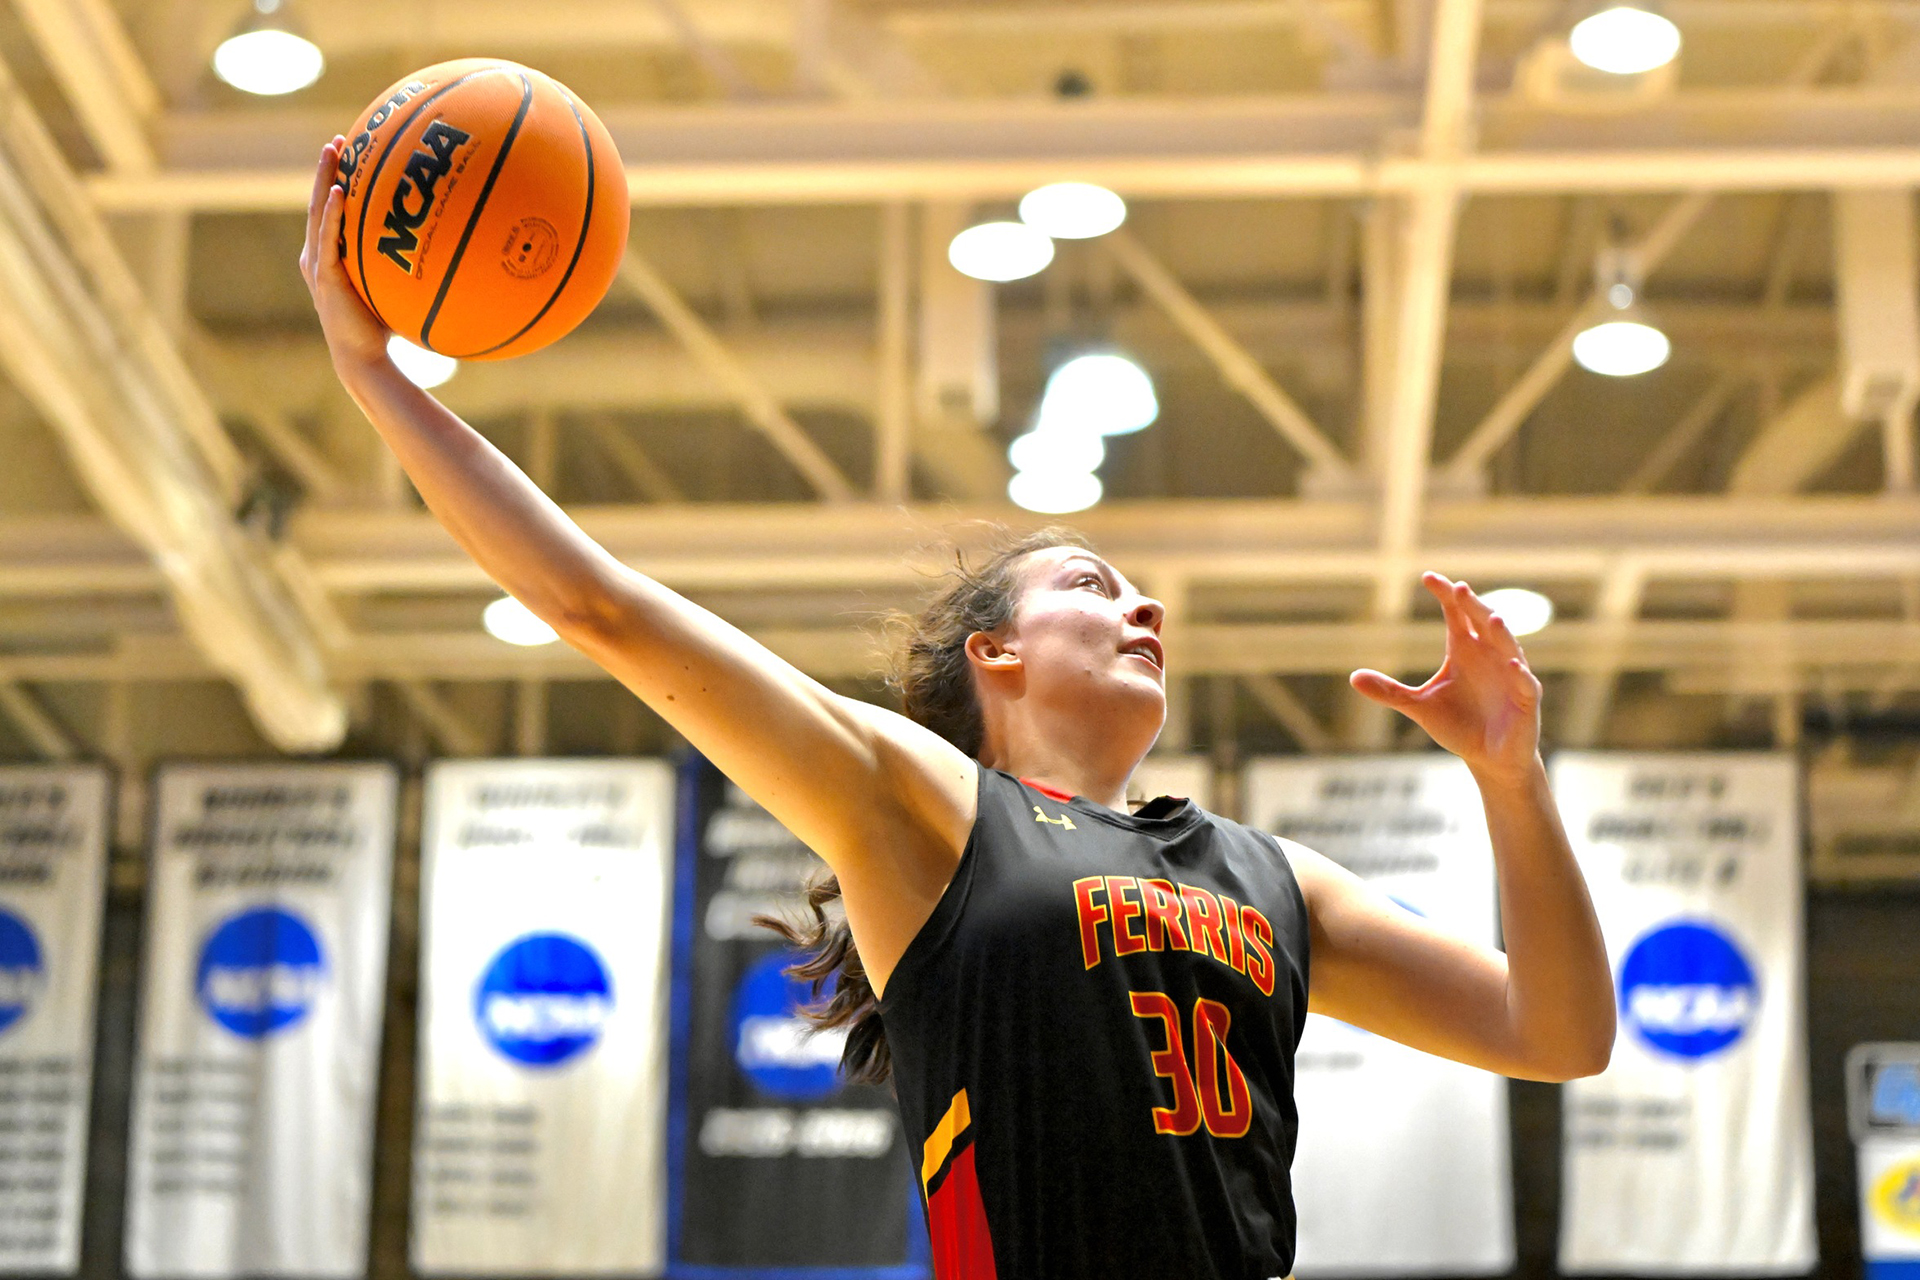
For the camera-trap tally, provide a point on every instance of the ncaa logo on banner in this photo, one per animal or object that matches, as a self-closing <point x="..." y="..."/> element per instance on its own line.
<point x="22" y="971"/>
<point x="777" y="1049"/>
<point x="1688" y="991"/>
<point x="260" y="972"/>
<point x="544" y="1000"/>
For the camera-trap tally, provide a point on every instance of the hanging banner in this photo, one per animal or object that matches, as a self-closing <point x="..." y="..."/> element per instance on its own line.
<point x="540" y="1141"/>
<point x="1693" y="1152"/>
<point x="778" y="1163"/>
<point x="53" y="866"/>
<point x="1402" y="1166"/>
<point x="261" y="1009"/>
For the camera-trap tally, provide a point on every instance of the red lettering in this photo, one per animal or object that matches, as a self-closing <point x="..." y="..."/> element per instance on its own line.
<point x="1091" y="914"/>
<point x="1126" y="938"/>
<point x="1236" y="945"/>
<point x="1163" y="916"/>
<point x="1203" y="914"/>
<point x="1183" y="1117"/>
<point x="1210" y="1022"/>
<point x="1259" y="938"/>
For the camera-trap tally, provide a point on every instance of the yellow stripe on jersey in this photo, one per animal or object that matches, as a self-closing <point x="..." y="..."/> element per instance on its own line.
<point x="940" y="1141"/>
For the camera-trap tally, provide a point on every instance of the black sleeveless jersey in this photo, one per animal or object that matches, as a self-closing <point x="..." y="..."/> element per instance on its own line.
<point x="1093" y="1041"/>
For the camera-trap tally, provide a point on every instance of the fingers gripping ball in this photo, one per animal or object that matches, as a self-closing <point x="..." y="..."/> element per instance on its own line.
<point x="486" y="209"/>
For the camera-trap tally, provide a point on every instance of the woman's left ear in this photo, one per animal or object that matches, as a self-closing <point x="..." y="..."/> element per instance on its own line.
<point x="983" y="650"/>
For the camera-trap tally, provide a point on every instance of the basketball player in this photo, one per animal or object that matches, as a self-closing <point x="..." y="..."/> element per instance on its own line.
<point x="1089" y="1014"/>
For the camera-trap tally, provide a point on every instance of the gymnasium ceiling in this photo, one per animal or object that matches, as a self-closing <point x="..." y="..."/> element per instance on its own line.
<point x="1361" y="234"/>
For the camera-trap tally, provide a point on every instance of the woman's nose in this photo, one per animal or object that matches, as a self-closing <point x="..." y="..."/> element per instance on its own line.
<point x="1149" y="613"/>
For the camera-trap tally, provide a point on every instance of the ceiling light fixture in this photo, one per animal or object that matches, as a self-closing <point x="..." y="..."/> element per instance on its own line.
<point x="1072" y="210"/>
<point x="1525" y="611"/>
<point x="1623" y="340"/>
<point x="1055" y="450"/>
<point x="1622" y="343"/>
<point x="1625" y="39"/>
<point x="1101" y="392"/>
<point x="1000" y="251"/>
<point x="423" y="368"/>
<point x="507" y="619"/>
<point x="1054" y="493"/>
<point x="267" y="55"/>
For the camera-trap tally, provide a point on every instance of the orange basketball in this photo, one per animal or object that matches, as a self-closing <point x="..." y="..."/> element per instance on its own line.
<point x="486" y="209"/>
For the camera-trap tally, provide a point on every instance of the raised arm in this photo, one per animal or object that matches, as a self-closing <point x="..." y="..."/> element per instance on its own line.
<point x="885" y="802"/>
<point x="1544" y="1010"/>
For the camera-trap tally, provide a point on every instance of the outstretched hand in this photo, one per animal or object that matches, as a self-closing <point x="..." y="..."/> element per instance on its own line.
<point x="354" y="335"/>
<point x="1483" y="704"/>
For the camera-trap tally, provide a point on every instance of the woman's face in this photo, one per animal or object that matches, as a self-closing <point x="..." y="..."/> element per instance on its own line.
<point x="1086" y="637"/>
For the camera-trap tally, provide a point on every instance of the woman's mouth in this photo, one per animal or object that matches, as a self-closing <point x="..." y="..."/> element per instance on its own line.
<point x="1148" y="650"/>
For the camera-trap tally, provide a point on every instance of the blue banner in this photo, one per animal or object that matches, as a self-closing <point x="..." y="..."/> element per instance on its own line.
<point x="777" y="1168"/>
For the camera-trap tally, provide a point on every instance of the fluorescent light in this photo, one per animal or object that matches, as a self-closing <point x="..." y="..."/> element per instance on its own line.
<point x="1625" y="40"/>
<point x="1000" y="251"/>
<point x="268" y="61"/>
<point x="507" y="619"/>
<point x="1621" y="348"/>
<point x="424" y="369"/>
<point x="1103" y="392"/>
<point x="1073" y="210"/>
<point x="1053" y="450"/>
<point x="1054" y="493"/>
<point x="1525" y="611"/>
<point x="1622" y="341"/>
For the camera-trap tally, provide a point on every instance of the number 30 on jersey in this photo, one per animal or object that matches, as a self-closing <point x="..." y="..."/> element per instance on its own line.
<point x="1196" y="1090"/>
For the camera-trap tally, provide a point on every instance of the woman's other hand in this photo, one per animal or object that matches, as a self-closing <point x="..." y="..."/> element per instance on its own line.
<point x="1483" y="704"/>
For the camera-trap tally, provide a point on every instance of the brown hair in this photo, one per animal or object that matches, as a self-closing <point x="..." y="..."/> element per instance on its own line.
<point x="935" y="682"/>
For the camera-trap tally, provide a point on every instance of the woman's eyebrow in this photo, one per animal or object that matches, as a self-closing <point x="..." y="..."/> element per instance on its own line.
<point x="1106" y="570"/>
<point x="1117" y="583"/>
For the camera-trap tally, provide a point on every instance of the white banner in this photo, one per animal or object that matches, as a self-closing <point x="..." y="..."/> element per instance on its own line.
<point x="1693" y="1152"/>
<point x="53" y="863"/>
<point x="261" y="1009"/>
<point x="1403" y="1160"/>
<point x="540" y="1144"/>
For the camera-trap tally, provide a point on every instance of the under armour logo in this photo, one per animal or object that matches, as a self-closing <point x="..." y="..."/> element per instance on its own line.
<point x="1063" y="821"/>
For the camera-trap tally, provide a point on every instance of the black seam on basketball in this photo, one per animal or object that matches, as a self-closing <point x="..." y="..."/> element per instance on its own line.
<point x="360" y="233"/>
<point x="586" y="221"/>
<point x="479" y="207"/>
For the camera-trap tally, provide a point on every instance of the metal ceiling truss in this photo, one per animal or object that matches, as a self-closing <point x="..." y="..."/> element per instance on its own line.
<point x="1285" y="148"/>
<point x="289" y="621"/>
